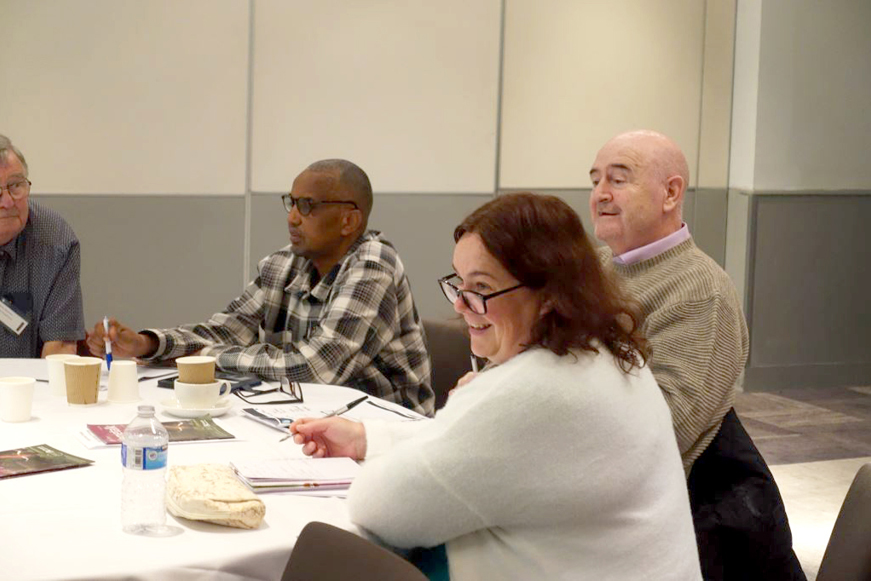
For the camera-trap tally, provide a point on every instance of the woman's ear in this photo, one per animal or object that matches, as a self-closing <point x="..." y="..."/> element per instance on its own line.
<point x="546" y="307"/>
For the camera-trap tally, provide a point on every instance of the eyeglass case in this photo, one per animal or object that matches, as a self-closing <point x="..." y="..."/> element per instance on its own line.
<point x="212" y="493"/>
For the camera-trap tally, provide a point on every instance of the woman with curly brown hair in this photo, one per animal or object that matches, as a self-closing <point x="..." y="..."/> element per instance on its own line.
<point x="558" y="460"/>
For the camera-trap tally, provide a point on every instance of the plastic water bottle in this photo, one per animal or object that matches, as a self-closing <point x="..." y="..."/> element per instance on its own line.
<point x="143" y="457"/>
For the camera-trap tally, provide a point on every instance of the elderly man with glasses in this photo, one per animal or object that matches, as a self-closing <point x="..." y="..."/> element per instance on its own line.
<point x="40" y="294"/>
<point x="333" y="307"/>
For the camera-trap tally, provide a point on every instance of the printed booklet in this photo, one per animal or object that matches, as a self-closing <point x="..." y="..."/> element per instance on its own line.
<point x="193" y="430"/>
<point x="35" y="459"/>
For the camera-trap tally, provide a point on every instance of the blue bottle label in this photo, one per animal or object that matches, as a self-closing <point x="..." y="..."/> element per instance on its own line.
<point x="143" y="458"/>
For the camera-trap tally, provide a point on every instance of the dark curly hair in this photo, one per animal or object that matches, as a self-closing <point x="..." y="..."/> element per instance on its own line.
<point x="540" y="240"/>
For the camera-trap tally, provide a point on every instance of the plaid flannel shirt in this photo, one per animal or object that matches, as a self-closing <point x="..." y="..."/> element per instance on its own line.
<point x="357" y="326"/>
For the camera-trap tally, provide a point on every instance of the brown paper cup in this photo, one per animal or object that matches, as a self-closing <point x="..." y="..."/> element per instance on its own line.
<point x="196" y="369"/>
<point x="82" y="377"/>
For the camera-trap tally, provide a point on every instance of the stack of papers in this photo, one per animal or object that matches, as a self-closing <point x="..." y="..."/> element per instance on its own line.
<point x="311" y="476"/>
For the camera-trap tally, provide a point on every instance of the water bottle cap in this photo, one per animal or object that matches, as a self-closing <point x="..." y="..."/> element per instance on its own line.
<point x="146" y="410"/>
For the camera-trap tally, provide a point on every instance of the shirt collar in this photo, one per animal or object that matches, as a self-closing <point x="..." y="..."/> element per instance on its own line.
<point x="656" y="248"/>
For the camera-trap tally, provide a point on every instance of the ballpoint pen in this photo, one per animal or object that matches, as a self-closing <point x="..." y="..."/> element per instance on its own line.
<point x="108" y="343"/>
<point x="474" y="361"/>
<point x="337" y="412"/>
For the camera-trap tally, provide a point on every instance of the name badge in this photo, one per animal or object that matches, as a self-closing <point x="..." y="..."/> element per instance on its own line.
<point x="10" y="317"/>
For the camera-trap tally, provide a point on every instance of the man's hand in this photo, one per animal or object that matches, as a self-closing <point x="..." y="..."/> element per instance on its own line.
<point x="330" y="437"/>
<point x="55" y="347"/>
<point x="125" y="341"/>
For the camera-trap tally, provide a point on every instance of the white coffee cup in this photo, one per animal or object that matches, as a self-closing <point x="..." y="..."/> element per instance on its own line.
<point x="57" y="382"/>
<point x="16" y="398"/>
<point x="199" y="396"/>
<point x="123" y="382"/>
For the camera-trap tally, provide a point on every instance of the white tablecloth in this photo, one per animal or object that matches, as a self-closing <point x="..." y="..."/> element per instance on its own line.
<point x="66" y="524"/>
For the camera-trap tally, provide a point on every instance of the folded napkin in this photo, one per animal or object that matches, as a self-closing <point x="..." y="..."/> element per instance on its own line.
<point x="212" y="493"/>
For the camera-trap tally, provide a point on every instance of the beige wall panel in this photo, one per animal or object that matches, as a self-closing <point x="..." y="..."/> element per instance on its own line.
<point x="714" y="133"/>
<point x="576" y="73"/>
<point x="406" y="89"/>
<point x="109" y="96"/>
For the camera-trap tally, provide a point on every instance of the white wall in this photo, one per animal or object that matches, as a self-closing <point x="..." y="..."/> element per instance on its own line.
<point x="127" y="97"/>
<point x="143" y="101"/>
<point x="577" y="73"/>
<point x="406" y="88"/>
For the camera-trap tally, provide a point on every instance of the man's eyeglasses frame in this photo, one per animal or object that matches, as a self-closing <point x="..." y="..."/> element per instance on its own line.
<point x="307" y="205"/>
<point x="22" y="185"/>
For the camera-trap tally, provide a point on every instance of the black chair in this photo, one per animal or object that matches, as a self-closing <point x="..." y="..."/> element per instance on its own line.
<point x="848" y="554"/>
<point x="449" y="352"/>
<point x="327" y="553"/>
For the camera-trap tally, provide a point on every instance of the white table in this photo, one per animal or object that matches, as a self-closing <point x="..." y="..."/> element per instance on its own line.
<point x="66" y="524"/>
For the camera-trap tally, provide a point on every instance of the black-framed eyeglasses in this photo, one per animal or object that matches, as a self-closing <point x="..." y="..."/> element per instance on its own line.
<point x="306" y="205"/>
<point x="287" y="392"/>
<point x="476" y="302"/>
<point x="18" y="190"/>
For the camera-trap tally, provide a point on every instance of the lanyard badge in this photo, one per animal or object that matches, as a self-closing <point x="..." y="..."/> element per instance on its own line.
<point x="10" y="316"/>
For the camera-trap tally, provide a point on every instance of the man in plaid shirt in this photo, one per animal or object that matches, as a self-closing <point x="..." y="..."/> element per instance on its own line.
<point x="333" y="307"/>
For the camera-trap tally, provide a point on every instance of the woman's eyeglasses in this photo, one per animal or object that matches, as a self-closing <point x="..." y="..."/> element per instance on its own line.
<point x="476" y="302"/>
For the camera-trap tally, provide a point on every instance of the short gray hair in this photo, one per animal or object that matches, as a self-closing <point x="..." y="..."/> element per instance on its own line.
<point x="6" y="147"/>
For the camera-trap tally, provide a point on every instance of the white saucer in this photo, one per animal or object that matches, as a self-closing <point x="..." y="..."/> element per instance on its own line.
<point x="172" y="407"/>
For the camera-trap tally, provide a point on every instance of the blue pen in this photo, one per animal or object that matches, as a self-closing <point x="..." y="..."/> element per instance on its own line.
<point x="108" y="343"/>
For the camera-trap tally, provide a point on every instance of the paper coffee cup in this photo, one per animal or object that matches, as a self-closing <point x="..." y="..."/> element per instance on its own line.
<point x="196" y="369"/>
<point x="199" y="396"/>
<point x="82" y="377"/>
<point x="16" y="398"/>
<point x="56" y="376"/>
<point x="123" y="382"/>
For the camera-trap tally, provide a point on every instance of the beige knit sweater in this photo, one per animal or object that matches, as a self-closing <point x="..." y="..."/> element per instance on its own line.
<point x="698" y="337"/>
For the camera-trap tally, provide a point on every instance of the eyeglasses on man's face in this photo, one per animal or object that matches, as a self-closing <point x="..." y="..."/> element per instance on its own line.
<point x="18" y="190"/>
<point x="474" y="301"/>
<point x="307" y="205"/>
<point x="287" y="392"/>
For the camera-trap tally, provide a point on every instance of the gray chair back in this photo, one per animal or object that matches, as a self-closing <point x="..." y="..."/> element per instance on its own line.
<point x="848" y="554"/>
<point x="327" y="553"/>
<point x="449" y="353"/>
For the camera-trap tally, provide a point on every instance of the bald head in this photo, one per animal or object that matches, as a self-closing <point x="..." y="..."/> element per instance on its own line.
<point x="352" y="183"/>
<point x="639" y="180"/>
<point x="656" y="151"/>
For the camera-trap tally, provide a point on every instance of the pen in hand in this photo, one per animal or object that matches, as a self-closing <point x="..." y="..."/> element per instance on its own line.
<point x="337" y="412"/>
<point x="108" y="343"/>
<point x="474" y="361"/>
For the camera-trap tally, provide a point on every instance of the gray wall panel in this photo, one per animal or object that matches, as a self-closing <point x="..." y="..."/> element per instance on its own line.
<point x="810" y="281"/>
<point x="419" y="225"/>
<point x="155" y="261"/>
<point x="707" y="221"/>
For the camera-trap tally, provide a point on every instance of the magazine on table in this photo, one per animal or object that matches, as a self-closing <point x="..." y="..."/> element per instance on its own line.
<point x="36" y="459"/>
<point x="321" y="476"/>
<point x="192" y="430"/>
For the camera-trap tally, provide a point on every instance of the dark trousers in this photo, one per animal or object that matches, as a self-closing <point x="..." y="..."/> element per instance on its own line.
<point x="741" y="525"/>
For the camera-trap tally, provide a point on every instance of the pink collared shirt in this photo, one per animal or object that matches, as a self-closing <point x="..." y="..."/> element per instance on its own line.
<point x="648" y="251"/>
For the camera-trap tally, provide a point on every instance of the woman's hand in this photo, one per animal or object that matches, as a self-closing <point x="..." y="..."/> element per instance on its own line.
<point x="330" y="437"/>
<point x="469" y="376"/>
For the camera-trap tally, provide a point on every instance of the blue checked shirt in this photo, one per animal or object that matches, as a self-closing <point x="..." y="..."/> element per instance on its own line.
<point x="357" y="326"/>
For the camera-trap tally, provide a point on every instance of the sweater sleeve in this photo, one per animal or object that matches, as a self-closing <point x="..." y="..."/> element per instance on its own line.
<point x="698" y="351"/>
<point x="478" y="465"/>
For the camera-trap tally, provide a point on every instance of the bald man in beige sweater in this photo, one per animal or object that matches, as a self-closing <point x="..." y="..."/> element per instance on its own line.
<point x="699" y="345"/>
